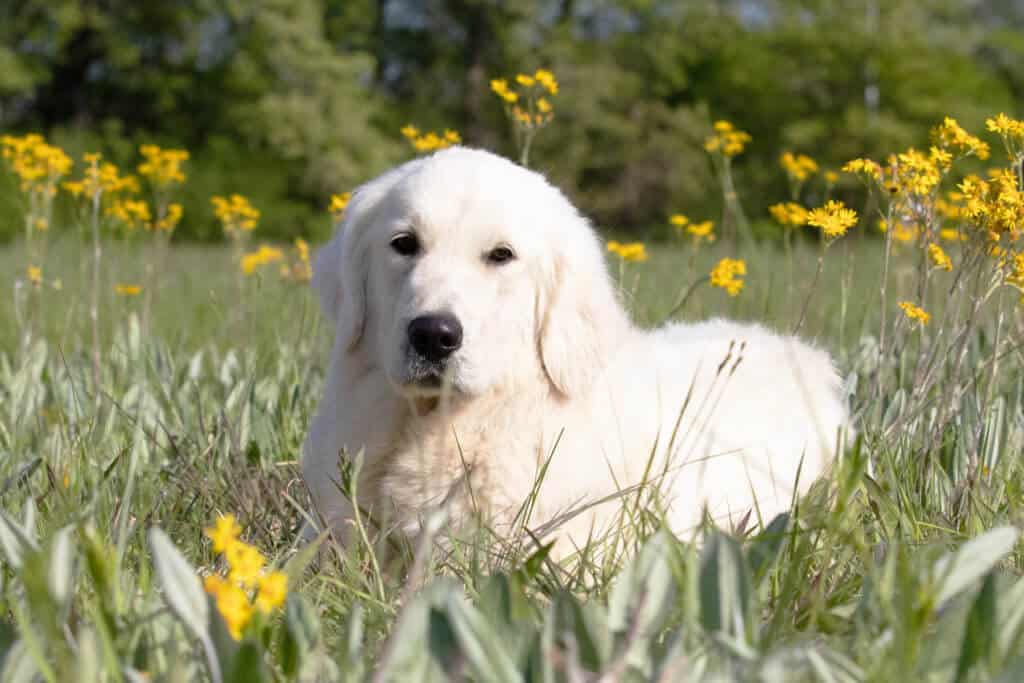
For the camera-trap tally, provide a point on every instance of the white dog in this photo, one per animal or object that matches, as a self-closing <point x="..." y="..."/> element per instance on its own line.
<point x="479" y="339"/>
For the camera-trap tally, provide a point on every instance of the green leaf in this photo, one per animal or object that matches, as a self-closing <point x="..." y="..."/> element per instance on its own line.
<point x="640" y="601"/>
<point x="765" y="549"/>
<point x="958" y="570"/>
<point x="247" y="664"/>
<point x="980" y="641"/>
<point x="483" y="649"/>
<point x="15" y="541"/>
<point x="184" y="593"/>
<point x="61" y="574"/>
<point x="725" y="588"/>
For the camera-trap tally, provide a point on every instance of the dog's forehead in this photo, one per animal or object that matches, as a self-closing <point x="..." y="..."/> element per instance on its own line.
<point x="470" y="191"/>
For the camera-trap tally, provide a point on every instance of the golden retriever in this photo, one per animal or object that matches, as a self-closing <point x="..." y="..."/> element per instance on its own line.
<point x="480" y="340"/>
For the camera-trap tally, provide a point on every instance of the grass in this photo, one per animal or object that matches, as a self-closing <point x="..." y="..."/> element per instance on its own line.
<point x="202" y="411"/>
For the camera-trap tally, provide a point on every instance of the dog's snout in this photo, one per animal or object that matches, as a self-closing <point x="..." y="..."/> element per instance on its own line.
<point x="435" y="336"/>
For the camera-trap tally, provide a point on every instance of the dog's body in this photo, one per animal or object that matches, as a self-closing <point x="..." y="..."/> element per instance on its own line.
<point x="480" y="340"/>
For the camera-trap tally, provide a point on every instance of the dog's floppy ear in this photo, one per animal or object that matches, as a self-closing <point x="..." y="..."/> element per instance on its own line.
<point x="340" y="269"/>
<point x="582" y="321"/>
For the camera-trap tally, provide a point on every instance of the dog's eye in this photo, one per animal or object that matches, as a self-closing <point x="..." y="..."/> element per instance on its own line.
<point x="500" y="255"/>
<point x="405" y="244"/>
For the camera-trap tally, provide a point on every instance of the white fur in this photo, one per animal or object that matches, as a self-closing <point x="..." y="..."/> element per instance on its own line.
<point x="548" y="355"/>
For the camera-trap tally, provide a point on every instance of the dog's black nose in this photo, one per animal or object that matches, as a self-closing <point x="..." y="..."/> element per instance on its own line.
<point x="436" y="336"/>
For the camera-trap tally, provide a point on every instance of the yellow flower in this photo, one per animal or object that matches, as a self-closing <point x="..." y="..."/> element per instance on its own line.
<point x="236" y="214"/>
<point x="949" y="134"/>
<point x="162" y="166"/>
<point x="271" y="592"/>
<point x="171" y="220"/>
<point x="678" y="220"/>
<point x="246" y="563"/>
<point x="543" y="106"/>
<point x="701" y="232"/>
<point x="789" y="214"/>
<point x="547" y="80"/>
<point x="38" y="165"/>
<point x="339" y="202"/>
<point x="223" y="533"/>
<point x="951" y="235"/>
<point x="939" y="257"/>
<point x="914" y="312"/>
<point x="728" y="274"/>
<point x="232" y="603"/>
<point x="726" y="139"/>
<point x="524" y="80"/>
<point x="128" y="290"/>
<point x="35" y="275"/>
<point x="41" y="224"/>
<point x="630" y="251"/>
<point x="864" y="167"/>
<point x="831" y="177"/>
<point x="834" y="218"/>
<point x="799" y="167"/>
<point x="431" y="141"/>
<point x="131" y="213"/>
<point x="261" y="257"/>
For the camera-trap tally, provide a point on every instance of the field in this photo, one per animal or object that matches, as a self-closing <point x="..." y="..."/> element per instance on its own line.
<point x="124" y="439"/>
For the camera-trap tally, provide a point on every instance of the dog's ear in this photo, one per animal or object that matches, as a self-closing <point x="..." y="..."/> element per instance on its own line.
<point x="581" y="320"/>
<point x="340" y="281"/>
<point x="340" y="269"/>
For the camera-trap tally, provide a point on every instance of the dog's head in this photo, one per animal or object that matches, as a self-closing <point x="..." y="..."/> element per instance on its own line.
<point x="463" y="270"/>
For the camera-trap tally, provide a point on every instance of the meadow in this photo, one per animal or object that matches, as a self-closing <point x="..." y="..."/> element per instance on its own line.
<point x="153" y="405"/>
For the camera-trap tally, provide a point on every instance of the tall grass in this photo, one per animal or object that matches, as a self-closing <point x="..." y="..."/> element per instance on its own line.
<point x="872" y="577"/>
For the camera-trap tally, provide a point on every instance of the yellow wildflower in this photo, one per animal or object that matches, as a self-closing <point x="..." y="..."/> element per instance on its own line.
<point x="831" y="177"/>
<point x="232" y="603"/>
<point x="834" y="218"/>
<point x="261" y="257"/>
<point x="789" y="213"/>
<point x="726" y="140"/>
<point x="701" y="232"/>
<point x="162" y="166"/>
<point x="236" y="214"/>
<point x="799" y="167"/>
<point x="131" y="213"/>
<point x="939" y="257"/>
<point x="500" y="88"/>
<point x="678" y="220"/>
<point x="338" y="204"/>
<point x="949" y="134"/>
<point x="223" y="533"/>
<point x="35" y="275"/>
<point x="914" y="312"/>
<point x="271" y="592"/>
<point x="547" y="80"/>
<point x="246" y="563"/>
<point x="525" y="80"/>
<point x="864" y="167"/>
<point x="543" y="106"/>
<point x="430" y="141"/>
<point x="128" y="290"/>
<point x="951" y="235"/>
<point x="170" y="221"/>
<point x="630" y="251"/>
<point x="728" y="274"/>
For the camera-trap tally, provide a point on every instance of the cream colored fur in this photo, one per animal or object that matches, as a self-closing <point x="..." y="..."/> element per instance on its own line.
<point x="548" y="356"/>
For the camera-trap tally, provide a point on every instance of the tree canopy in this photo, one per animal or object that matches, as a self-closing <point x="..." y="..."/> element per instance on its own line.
<point x="289" y="101"/>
